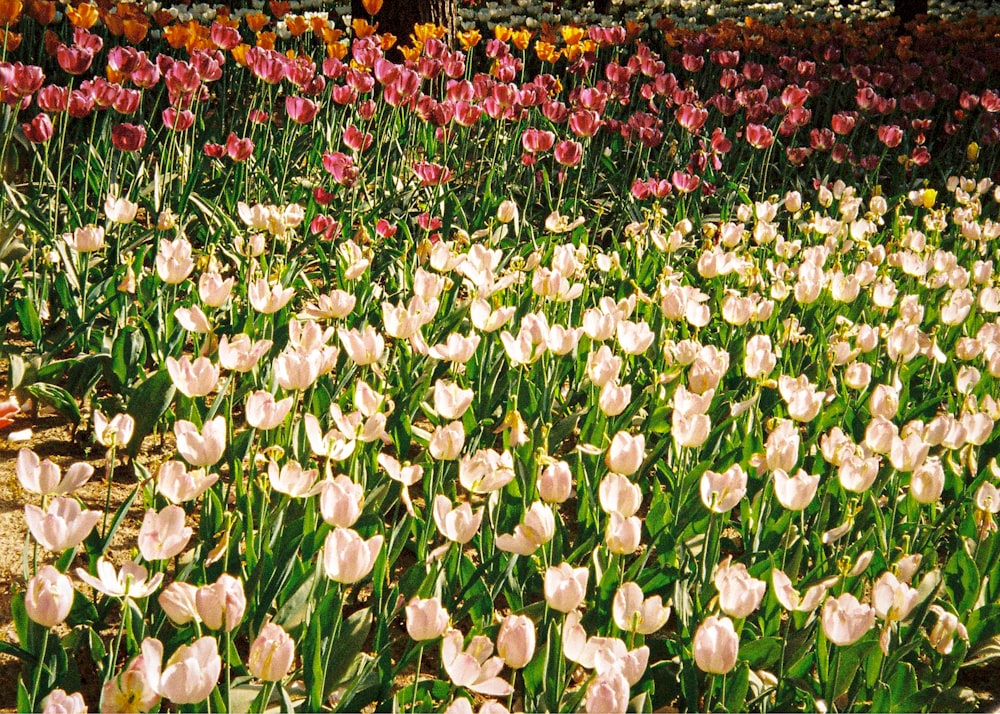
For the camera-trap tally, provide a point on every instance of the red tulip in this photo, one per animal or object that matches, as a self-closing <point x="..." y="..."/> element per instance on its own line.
<point x="38" y="130"/>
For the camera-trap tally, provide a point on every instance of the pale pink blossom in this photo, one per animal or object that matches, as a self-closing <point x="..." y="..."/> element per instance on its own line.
<point x="271" y="654"/>
<point x="241" y="354"/>
<point x="193" y="378"/>
<point x="459" y="523"/>
<point x="62" y="525"/>
<point x="43" y="477"/>
<point x="131" y="582"/>
<point x="426" y="619"/>
<point x="565" y="587"/>
<point x="264" y="412"/>
<point x="845" y="619"/>
<point x="720" y="492"/>
<point x="739" y="592"/>
<point x="715" y="645"/>
<point x="267" y="299"/>
<point x="472" y="667"/>
<point x="201" y="448"/>
<point x="48" y="597"/>
<point x="163" y="534"/>
<point x="347" y="557"/>
<point x="178" y="485"/>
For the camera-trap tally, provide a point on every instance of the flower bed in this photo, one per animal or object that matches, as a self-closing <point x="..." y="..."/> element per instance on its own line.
<point x="602" y="368"/>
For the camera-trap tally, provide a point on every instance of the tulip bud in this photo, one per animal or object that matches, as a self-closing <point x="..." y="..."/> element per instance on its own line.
<point x="49" y="597"/>
<point x="426" y="619"/>
<point x="716" y="645"/>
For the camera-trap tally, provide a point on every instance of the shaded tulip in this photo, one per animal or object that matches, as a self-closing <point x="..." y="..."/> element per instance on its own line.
<point x="426" y="619"/>
<point x="516" y="641"/>
<point x="222" y="604"/>
<point x="626" y="453"/>
<point x="193" y="378"/>
<point x="58" y="701"/>
<point x="720" y="492"/>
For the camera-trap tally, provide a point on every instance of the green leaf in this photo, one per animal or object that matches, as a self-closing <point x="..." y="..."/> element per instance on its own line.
<point x="347" y="648"/>
<point x="761" y="653"/>
<point x="31" y="325"/>
<point x="116" y="521"/>
<point x="149" y="401"/>
<point x="737" y="685"/>
<point x="57" y="398"/>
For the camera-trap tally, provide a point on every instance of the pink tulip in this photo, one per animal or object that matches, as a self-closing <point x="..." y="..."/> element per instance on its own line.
<point x="472" y="667"/>
<point x="720" y="492"/>
<point x="192" y="672"/>
<point x="241" y="354"/>
<point x="178" y="485"/>
<point x="38" y="130"/>
<point x="131" y="582"/>
<point x="128" y="137"/>
<point x="222" y="604"/>
<point x="555" y="483"/>
<point x="623" y="535"/>
<point x="85" y="239"/>
<point x="458" y="524"/>
<point x="568" y="152"/>
<point x="426" y="619"/>
<point x="632" y="613"/>
<point x="48" y="597"/>
<point x="193" y="379"/>
<point x="626" y="453"/>
<point x="271" y="654"/>
<point x="565" y="587"/>
<point x="43" y="478"/>
<point x="163" y="535"/>
<point x="715" y="645"/>
<point x="340" y="501"/>
<point x="179" y="602"/>
<point x="795" y="492"/>
<point x="264" y="412"/>
<point x="516" y="641"/>
<point x="173" y="260"/>
<point x="619" y="495"/>
<point x="62" y="525"/>
<point x="300" y="109"/>
<point x="536" y="529"/>
<point x="347" y="557"/>
<point x="58" y="701"/>
<point x="203" y="448"/>
<point x="845" y="619"/>
<point x="739" y="593"/>
<point x="607" y="693"/>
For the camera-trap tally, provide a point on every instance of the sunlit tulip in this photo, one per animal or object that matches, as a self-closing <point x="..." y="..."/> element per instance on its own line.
<point x="213" y="289"/>
<point x="135" y="689"/>
<point x="626" y="453"/>
<point x="267" y="299"/>
<point x="782" y="446"/>
<point x="271" y="654"/>
<point x="845" y="620"/>
<point x="114" y="433"/>
<point x="347" y="557"/>
<point x="458" y="524"/>
<point x="163" y="535"/>
<point x="291" y="479"/>
<point x="62" y="525"/>
<point x="720" y="492"/>
<point x="891" y="599"/>
<point x="193" y="378"/>
<point x="128" y="583"/>
<point x="536" y="529"/>
<point x="802" y="399"/>
<point x="789" y="597"/>
<point x="222" y="604"/>
<point x="486" y="471"/>
<point x="173" y="261"/>
<point x="203" y="448"/>
<point x="472" y="667"/>
<point x="739" y="592"/>
<point x="59" y="701"/>
<point x="241" y="354"/>
<point x="179" y="602"/>
<point x="632" y="613"/>
<point x="426" y="619"/>
<point x="340" y="501"/>
<point x="715" y="645"/>
<point x="516" y="641"/>
<point x="607" y="693"/>
<point x="120" y="210"/>
<point x="48" y="597"/>
<point x="619" y="495"/>
<point x="193" y="319"/>
<point x="450" y="400"/>
<point x="85" y="239"/>
<point x="857" y="473"/>
<point x="795" y="492"/>
<point x="178" y="485"/>
<point x="43" y="477"/>
<point x="555" y="482"/>
<point x="634" y="337"/>
<point x="192" y="672"/>
<point x="565" y="587"/>
<point x="264" y="412"/>
<point x="364" y="347"/>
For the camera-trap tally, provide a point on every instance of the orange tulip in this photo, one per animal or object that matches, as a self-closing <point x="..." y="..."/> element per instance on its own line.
<point x="256" y="21"/>
<point x="470" y="39"/>
<point x="83" y="15"/>
<point x="239" y="54"/>
<point x="317" y="24"/>
<point x="113" y="75"/>
<point x="50" y="41"/>
<point x="388" y="41"/>
<point x="362" y="28"/>
<point x="571" y="35"/>
<point x="521" y="39"/>
<point x="502" y="33"/>
<point x="11" y="40"/>
<point x="330" y="35"/>
<point x="266" y="40"/>
<point x="372" y="7"/>
<point x="162" y="18"/>
<point x="114" y="24"/>
<point x="176" y="36"/>
<point x="10" y="12"/>
<point x="546" y="52"/>
<point x="428" y="30"/>
<point x="280" y="8"/>
<point x="336" y="50"/>
<point x="43" y="11"/>
<point x="296" y="24"/>
<point x="136" y="30"/>
<point x="548" y="33"/>
<point x="411" y="53"/>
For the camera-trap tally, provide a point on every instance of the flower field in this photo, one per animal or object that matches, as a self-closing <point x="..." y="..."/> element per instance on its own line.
<point x="563" y="367"/>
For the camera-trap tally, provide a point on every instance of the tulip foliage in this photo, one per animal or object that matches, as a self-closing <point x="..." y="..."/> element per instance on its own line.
<point x="574" y="368"/>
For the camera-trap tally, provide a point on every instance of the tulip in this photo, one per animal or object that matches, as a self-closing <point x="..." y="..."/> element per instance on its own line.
<point x="634" y="614"/>
<point x="85" y="239"/>
<point x="472" y="667"/>
<point x="450" y="400"/>
<point x="537" y="529"/>
<point x="795" y="492"/>
<point x="271" y="654"/>
<point x="222" y="604"/>
<point x="163" y="535"/>
<point x="942" y="635"/>
<point x="128" y="583"/>
<point x="486" y="471"/>
<point x="48" y="597"/>
<point x="623" y="535"/>
<point x="264" y="412"/>
<point x="607" y="693"/>
<point x="565" y="587"/>
<point x="426" y="619"/>
<point x="178" y="485"/>
<point x="192" y="672"/>
<point x="555" y="483"/>
<point x="716" y="645"/>
<point x="457" y="524"/>
<point x="364" y="347"/>
<point x="203" y="448"/>
<point x="38" y="130"/>
<point x="173" y="260"/>
<point x="62" y="525"/>
<point x="739" y="593"/>
<point x="720" y="492"/>
<point x="619" y="495"/>
<point x="291" y="479"/>
<point x="42" y="477"/>
<point x="347" y="558"/>
<point x="341" y="501"/>
<point x="128" y="137"/>
<point x="516" y="641"/>
<point x="626" y="453"/>
<point x="58" y="701"/>
<point x="268" y="299"/>
<point x="193" y="379"/>
<point x="845" y="619"/>
<point x="179" y="601"/>
<point x="789" y="598"/>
